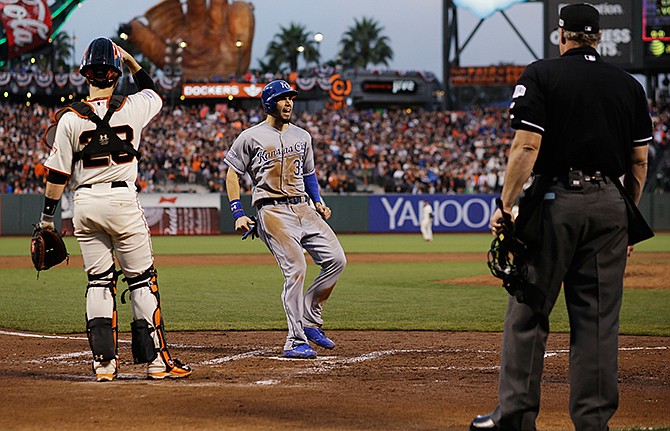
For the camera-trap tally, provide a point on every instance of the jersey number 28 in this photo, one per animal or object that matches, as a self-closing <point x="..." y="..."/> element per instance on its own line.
<point x="125" y="133"/>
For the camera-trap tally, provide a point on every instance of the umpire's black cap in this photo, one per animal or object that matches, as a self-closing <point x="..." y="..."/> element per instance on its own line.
<point x="582" y="18"/>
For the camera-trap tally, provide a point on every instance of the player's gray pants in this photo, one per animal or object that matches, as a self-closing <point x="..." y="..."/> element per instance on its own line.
<point x="286" y="229"/>
<point x="584" y="246"/>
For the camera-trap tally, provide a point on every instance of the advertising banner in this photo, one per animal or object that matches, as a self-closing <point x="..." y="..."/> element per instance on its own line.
<point x="27" y="24"/>
<point x="182" y="213"/>
<point x="486" y="75"/>
<point x="182" y="221"/>
<point x="224" y="90"/>
<point x="451" y="213"/>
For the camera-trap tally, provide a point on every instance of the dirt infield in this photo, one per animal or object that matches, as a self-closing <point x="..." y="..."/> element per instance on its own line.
<point x="373" y="380"/>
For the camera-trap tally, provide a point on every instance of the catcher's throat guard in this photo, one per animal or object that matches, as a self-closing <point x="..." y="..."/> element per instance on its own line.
<point x="507" y="259"/>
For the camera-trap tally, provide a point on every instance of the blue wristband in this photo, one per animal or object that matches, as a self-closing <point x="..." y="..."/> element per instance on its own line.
<point x="236" y="208"/>
<point x="312" y="187"/>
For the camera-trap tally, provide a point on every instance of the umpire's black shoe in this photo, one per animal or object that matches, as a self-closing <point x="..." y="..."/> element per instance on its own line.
<point x="483" y="422"/>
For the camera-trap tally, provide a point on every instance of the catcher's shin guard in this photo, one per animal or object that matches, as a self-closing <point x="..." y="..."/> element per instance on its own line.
<point x="101" y="318"/>
<point x="149" y="345"/>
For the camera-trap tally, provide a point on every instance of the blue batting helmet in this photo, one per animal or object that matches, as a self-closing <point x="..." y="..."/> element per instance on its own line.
<point x="102" y="63"/>
<point x="272" y="91"/>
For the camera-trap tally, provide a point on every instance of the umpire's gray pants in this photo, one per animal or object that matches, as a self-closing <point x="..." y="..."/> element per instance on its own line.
<point x="583" y="246"/>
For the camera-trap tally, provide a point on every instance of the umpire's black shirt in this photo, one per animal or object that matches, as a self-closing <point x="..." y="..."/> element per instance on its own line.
<point x="590" y="113"/>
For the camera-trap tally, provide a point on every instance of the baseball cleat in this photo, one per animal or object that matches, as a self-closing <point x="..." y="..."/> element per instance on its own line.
<point x="483" y="422"/>
<point x="175" y="370"/>
<point x="104" y="377"/>
<point x="317" y="336"/>
<point x="303" y="351"/>
<point x="105" y="371"/>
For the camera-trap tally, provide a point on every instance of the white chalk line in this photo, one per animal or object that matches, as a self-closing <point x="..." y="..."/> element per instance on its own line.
<point x="49" y="337"/>
<point x="29" y="335"/>
<point x="551" y="353"/>
<point x="322" y="363"/>
<point x="237" y="357"/>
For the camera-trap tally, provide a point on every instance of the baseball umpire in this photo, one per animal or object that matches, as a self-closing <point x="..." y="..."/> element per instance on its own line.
<point x="580" y="125"/>
<point x="280" y="160"/>
<point x="95" y="150"/>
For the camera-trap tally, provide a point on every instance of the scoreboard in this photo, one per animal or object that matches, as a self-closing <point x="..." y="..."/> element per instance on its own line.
<point x="656" y="20"/>
<point x="656" y="32"/>
<point x="635" y="33"/>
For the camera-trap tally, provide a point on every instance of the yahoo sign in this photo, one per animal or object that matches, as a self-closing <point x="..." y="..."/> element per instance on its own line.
<point x="451" y="213"/>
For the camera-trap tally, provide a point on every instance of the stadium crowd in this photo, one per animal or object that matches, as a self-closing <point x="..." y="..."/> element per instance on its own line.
<point x="371" y="150"/>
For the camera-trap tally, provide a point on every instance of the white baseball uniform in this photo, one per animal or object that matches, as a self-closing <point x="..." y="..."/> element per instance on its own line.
<point x="427" y="221"/>
<point x="107" y="218"/>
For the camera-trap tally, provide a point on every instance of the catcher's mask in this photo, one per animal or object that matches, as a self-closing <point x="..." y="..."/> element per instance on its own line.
<point x="507" y="260"/>
<point x="271" y="93"/>
<point x="101" y="64"/>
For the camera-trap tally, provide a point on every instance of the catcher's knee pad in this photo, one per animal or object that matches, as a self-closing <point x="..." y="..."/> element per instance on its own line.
<point x="101" y="318"/>
<point x="102" y="338"/>
<point x="148" y="321"/>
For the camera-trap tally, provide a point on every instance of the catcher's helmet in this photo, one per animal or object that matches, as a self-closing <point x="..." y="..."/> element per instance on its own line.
<point x="272" y="91"/>
<point x="102" y="63"/>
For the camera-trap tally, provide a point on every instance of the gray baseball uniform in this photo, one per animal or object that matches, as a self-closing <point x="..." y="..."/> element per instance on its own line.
<point x="277" y="162"/>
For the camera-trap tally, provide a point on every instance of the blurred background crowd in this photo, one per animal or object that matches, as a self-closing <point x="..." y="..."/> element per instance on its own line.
<point x="368" y="151"/>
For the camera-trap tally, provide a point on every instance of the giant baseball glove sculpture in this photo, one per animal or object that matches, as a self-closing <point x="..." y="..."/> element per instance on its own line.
<point x="218" y="38"/>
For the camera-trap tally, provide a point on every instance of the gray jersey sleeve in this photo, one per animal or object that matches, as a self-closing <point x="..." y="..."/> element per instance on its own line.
<point x="308" y="162"/>
<point x="239" y="155"/>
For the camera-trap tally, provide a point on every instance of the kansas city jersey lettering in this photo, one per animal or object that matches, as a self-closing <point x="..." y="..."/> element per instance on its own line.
<point x="292" y="150"/>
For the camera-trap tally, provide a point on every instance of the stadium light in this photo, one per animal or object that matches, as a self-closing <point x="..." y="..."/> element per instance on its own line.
<point x="124" y="31"/>
<point x="239" y="44"/>
<point x="486" y="8"/>
<point x="318" y="38"/>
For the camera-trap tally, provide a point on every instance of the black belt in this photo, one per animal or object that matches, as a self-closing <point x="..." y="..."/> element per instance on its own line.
<point x="575" y="179"/>
<point x="115" y="184"/>
<point x="290" y="200"/>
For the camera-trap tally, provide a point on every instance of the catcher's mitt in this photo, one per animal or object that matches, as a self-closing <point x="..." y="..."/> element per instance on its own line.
<point x="47" y="249"/>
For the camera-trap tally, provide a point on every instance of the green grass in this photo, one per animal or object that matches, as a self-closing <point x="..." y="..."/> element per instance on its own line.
<point x="381" y="296"/>
<point x="359" y="243"/>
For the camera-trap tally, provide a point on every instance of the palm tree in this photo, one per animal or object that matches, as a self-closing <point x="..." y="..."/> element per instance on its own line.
<point x="62" y="46"/>
<point x="287" y="46"/>
<point x="363" y="45"/>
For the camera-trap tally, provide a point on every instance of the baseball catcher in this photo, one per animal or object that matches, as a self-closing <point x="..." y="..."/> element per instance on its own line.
<point x="95" y="151"/>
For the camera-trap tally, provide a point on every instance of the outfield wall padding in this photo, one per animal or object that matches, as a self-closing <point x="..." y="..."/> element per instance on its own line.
<point x="351" y="214"/>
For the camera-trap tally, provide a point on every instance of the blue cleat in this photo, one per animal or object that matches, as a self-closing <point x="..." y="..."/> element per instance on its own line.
<point x="316" y="336"/>
<point x="303" y="351"/>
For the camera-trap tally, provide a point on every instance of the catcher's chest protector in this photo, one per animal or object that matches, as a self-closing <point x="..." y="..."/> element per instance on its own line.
<point x="104" y="141"/>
